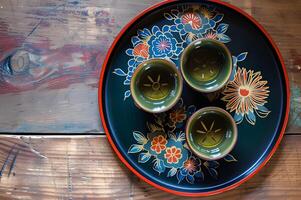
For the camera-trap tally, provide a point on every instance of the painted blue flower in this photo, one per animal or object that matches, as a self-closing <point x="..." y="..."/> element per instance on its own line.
<point x="191" y="169"/>
<point x="167" y="41"/>
<point x="194" y="21"/>
<point x="163" y="44"/>
<point x="169" y="154"/>
<point x="197" y="23"/>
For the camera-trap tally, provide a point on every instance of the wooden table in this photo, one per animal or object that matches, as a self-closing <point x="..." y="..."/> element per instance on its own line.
<point x="68" y="40"/>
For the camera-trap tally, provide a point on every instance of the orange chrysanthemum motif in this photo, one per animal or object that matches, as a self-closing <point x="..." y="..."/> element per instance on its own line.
<point x="173" y="154"/>
<point x="142" y="50"/>
<point x="178" y="115"/>
<point x="193" y="19"/>
<point x="158" y="144"/>
<point x="246" y="92"/>
<point x="211" y="35"/>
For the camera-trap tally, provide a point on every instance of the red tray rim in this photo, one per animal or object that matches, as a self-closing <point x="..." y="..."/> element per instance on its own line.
<point x="200" y="194"/>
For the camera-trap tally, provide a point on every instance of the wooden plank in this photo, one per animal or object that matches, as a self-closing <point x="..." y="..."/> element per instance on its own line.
<point x="64" y="168"/>
<point x="70" y="39"/>
<point x="65" y="43"/>
<point x="86" y="168"/>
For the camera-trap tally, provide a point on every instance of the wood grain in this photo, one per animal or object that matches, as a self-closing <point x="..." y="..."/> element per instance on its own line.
<point x="63" y="169"/>
<point x="66" y="42"/>
<point x="86" y="168"/>
<point x="70" y="39"/>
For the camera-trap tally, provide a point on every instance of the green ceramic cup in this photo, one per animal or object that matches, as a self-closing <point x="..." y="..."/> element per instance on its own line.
<point x="211" y="133"/>
<point x="156" y="85"/>
<point x="206" y="65"/>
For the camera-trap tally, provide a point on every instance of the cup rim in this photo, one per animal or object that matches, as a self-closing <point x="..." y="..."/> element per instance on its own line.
<point x="235" y="133"/>
<point x="225" y="81"/>
<point x="173" y="66"/>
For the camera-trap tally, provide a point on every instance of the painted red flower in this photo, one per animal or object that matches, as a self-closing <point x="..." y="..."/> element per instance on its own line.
<point x="211" y="35"/>
<point x="190" y="165"/>
<point x="142" y="50"/>
<point x="158" y="144"/>
<point x="193" y="19"/>
<point x="173" y="154"/>
<point x="178" y="115"/>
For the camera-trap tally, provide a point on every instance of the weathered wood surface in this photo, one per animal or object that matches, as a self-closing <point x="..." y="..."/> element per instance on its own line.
<point x="86" y="168"/>
<point x="69" y="39"/>
<point x="66" y="42"/>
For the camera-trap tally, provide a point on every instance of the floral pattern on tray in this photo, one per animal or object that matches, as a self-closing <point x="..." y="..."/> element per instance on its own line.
<point x="165" y="147"/>
<point x="186" y="24"/>
<point x="246" y="94"/>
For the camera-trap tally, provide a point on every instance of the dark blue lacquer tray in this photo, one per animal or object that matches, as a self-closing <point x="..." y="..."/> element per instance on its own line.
<point x="257" y="96"/>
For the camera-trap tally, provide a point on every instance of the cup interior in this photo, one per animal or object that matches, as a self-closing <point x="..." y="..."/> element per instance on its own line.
<point x="211" y="133"/>
<point x="206" y="65"/>
<point x="156" y="85"/>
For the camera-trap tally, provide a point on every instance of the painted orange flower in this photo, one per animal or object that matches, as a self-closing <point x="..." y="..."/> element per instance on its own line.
<point x="193" y="19"/>
<point x="211" y="35"/>
<point x="178" y="115"/>
<point x="173" y="154"/>
<point x="190" y="165"/>
<point x="142" y="50"/>
<point x="158" y="144"/>
<point x="246" y="93"/>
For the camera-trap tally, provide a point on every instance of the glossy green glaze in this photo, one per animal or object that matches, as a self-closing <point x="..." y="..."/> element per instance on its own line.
<point x="156" y="85"/>
<point x="211" y="133"/>
<point x="206" y="65"/>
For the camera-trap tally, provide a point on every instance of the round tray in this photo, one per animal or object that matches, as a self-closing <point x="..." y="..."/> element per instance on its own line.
<point x="257" y="96"/>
